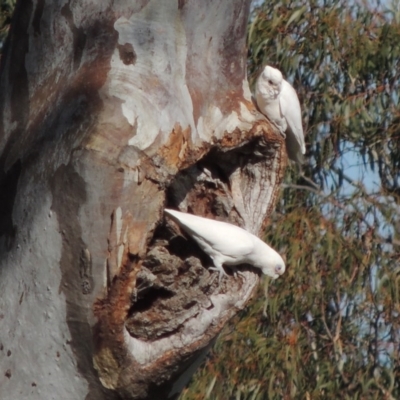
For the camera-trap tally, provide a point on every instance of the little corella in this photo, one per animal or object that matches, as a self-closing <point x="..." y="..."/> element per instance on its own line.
<point x="228" y="244"/>
<point x="278" y="101"/>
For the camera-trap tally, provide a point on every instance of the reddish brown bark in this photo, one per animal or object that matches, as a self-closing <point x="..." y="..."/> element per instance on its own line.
<point x="109" y="113"/>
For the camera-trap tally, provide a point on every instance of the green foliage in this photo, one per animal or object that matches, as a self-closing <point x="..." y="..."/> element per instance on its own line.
<point x="330" y="327"/>
<point x="344" y="64"/>
<point x="6" y="10"/>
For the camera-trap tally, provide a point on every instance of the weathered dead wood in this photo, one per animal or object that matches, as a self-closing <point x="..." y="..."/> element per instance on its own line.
<point x="109" y="113"/>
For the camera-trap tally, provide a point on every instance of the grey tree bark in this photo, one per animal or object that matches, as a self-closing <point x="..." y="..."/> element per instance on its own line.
<point x="110" y="112"/>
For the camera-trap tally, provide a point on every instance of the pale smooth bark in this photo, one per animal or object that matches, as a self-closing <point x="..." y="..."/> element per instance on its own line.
<point x="110" y="112"/>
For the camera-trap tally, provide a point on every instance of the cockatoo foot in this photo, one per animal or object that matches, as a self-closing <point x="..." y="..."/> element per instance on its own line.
<point x="283" y="134"/>
<point x="221" y="271"/>
<point x="238" y="273"/>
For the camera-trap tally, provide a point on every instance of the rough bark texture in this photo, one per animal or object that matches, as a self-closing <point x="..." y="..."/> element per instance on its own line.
<point x="111" y="111"/>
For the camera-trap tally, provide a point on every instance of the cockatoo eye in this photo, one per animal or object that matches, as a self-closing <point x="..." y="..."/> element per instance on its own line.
<point x="279" y="269"/>
<point x="270" y="82"/>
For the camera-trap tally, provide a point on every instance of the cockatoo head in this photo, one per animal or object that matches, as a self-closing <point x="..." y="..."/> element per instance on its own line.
<point x="271" y="82"/>
<point x="274" y="266"/>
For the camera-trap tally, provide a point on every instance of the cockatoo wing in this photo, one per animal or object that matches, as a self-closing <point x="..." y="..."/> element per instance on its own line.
<point x="218" y="237"/>
<point x="291" y="110"/>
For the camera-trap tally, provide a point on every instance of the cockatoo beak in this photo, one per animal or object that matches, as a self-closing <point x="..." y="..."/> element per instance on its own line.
<point x="277" y="89"/>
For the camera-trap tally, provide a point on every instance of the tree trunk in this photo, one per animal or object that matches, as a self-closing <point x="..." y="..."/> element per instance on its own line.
<point x="110" y="112"/>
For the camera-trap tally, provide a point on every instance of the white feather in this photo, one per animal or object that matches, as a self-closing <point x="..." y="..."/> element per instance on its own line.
<point x="228" y="244"/>
<point x="278" y="101"/>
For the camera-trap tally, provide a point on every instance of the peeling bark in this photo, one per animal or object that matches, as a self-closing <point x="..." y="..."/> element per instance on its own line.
<point x="110" y="112"/>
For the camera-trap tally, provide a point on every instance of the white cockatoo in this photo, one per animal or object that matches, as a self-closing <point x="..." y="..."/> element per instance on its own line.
<point x="278" y="101"/>
<point x="228" y="244"/>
